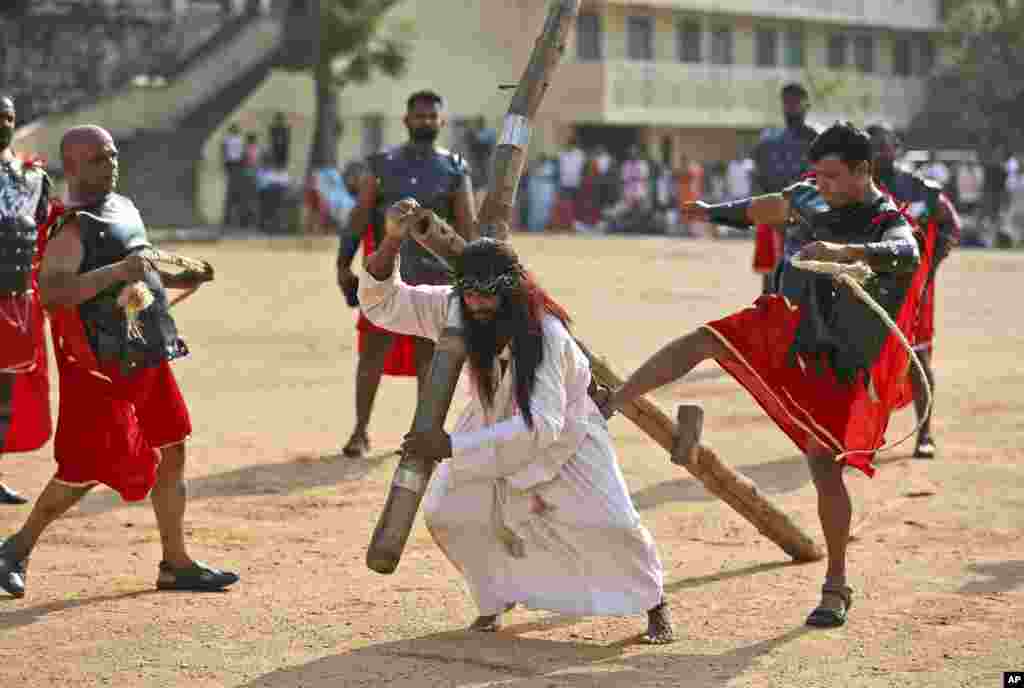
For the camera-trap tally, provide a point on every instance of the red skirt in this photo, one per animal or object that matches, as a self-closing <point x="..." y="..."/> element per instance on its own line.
<point x="401" y="359"/>
<point x="811" y="409"/>
<point x="768" y="248"/>
<point x="110" y="426"/>
<point x="31" y="421"/>
<point x="922" y="327"/>
<point x="23" y="349"/>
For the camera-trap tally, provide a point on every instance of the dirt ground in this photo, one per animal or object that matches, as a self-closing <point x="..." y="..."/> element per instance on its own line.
<point x="937" y="558"/>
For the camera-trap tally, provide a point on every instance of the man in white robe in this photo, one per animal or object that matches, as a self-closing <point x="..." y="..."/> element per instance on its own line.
<point x="531" y="508"/>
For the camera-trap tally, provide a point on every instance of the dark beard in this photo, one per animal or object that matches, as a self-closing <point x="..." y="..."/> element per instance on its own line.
<point x="424" y="135"/>
<point x="481" y="350"/>
<point x="512" y="323"/>
<point x="795" y="121"/>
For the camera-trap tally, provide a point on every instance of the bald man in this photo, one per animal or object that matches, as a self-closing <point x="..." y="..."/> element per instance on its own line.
<point x="25" y="421"/>
<point x="122" y="420"/>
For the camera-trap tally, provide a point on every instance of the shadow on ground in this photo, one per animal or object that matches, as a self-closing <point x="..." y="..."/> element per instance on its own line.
<point x="1000" y="576"/>
<point x="17" y="618"/>
<point x="293" y="476"/>
<point x="463" y="659"/>
<point x="777" y="477"/>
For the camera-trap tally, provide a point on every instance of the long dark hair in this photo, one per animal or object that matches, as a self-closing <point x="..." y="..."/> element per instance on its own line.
<point x="519" y="317"/>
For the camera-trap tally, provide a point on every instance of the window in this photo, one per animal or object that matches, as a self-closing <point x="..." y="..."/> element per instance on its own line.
<point x="373" y="134"/>
<point x="927" y="55"/>
<point x="688" y="41"/>
<point x="901" y="56"/>
<point x="721" y="45"/>
<point x="589" y="37"/>
<point x="640" y="38"/>
<point x="795" y="48"/>
<point x="836" y="51"/>
<point x="767" y="47"/>
<point x="864" y="53"/>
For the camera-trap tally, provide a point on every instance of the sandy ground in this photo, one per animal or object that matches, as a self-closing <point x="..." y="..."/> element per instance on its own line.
<point x="937" y="558"/>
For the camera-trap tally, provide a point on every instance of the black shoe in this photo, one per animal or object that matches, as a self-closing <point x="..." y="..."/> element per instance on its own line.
<point x="9" y="496"/>
<point x="12" y="572"/>
<point x="198" y="578"/>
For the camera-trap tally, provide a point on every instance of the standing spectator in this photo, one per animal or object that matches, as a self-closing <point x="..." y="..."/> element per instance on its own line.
<point x="588" y="213"/>
<point x="738" y="177"/>
<point x="690" y="180"/>
<point x="607" y="178"/>
<point x="542" y="193"/>
<point x="330" y="198"/>
<point x="636" y="175"/>
<point x="570" y="176"/>
<point x="251" y="163"/>
<point x="995" y="195"/>
<point x="233" y="157"/>
<point x="280" y="135"/>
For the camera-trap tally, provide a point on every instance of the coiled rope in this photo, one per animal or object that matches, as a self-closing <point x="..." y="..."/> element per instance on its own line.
<point x="854" y="275"/>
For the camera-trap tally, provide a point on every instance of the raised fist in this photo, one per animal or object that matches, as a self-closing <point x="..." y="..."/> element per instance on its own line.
<point x="401" y="217"/>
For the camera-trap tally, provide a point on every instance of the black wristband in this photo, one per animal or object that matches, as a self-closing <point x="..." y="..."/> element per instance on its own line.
<point x="732" y="214"/>
<point x="892" y="255"/>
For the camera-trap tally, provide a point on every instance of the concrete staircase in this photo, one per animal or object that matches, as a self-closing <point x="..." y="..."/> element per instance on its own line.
<point x="160" y="131"/>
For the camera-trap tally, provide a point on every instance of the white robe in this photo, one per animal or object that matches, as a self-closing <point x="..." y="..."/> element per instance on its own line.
<point x="585" y="554"/>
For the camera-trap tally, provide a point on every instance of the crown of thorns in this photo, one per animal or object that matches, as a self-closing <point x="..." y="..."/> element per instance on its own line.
<point x="506" y="281"/>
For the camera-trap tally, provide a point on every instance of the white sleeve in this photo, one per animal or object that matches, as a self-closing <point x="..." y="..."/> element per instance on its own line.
<point x="394" y="305"/>
<point x="474" y="439"/>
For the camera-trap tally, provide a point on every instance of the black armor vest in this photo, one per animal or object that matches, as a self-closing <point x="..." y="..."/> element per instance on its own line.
<point x="24" y="203"/>
<point x="781" y="156"/>
<point x="433" y="180"/>
<point x="110" y="231"/>
<point x="835" y="325"/>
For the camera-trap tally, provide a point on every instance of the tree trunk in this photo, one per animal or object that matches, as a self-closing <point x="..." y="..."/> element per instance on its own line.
<point x="324" y="150"/>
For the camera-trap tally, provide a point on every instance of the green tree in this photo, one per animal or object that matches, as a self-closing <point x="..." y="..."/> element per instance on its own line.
<point x="343" y="42"/>
<point x="978" y="98"/>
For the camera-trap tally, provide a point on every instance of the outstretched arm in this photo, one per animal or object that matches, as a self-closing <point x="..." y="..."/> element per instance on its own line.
<point x="769" y="209"/>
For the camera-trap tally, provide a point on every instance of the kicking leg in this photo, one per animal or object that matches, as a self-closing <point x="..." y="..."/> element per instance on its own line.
<point x="673" y="361"/>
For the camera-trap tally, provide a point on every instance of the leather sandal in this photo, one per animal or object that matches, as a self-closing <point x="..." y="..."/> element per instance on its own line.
<point x="197" y="578"/>
<point x="827" y="616"/>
